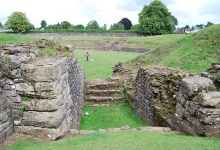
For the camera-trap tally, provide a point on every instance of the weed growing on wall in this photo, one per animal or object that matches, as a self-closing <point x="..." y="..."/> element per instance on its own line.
<point x="21" y="111"/>
<point x="48" y="52"/>
<point x="25" y="98"/>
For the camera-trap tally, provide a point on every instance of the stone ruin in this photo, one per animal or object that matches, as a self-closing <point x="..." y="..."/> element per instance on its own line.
<point x="112" y="45"/>
<point x="41" y="96"/>
<point x="165" y="96"/>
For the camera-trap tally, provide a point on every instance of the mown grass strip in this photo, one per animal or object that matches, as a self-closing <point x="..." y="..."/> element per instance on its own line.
<point x="124" y="140"/>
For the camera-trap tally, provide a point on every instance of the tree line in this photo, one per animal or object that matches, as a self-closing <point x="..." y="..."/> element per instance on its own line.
<point x="154" y="19"/>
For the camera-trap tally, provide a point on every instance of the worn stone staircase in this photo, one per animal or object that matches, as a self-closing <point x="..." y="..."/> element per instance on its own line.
<point x="101" y="92"/>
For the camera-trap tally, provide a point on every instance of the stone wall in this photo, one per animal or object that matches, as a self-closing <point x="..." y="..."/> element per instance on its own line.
<point x="86" y="34"/>
<point x="198" y="108"/>
<point x="168" y="97"/>
<point x="123" y="49"/>
<point x="154" y="97"/>
<point x="6" y="122"/>
<point x="42" y="96"/>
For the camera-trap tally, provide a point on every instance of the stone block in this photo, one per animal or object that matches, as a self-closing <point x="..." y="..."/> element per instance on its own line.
<point x="193" y="85"/>
<point x="2" y="137"/>
<point x="2" y="99"/>
<point x="211" y="99"/>
<point x="45" y="70"/>
<point x="16" y="99"/>
<point x="3" y="117"/>
<point x="44" y="89"/>
<point x="47" y="105"/>
<point x="46" y="119"/>
<point x="50" y="133"/>
<point x="10" y="93"/>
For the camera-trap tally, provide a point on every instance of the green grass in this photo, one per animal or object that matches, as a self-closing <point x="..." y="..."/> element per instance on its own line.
<point x="48" y="52"/>
<point x="109" y="117"/>
<point x="103" y="61"/>
<point x="151" y="41"/>
<point x="16" y="38"/>
<point x="124" y="140"/>
<point x="193" y="53"/>
<point x="141" y="42"/>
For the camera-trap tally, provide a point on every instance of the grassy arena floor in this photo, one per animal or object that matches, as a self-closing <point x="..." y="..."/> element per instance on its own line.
<point x="102" y="62"/>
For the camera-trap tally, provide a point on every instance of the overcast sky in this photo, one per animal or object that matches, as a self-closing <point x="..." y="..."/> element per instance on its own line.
<point x="188" y="12"/>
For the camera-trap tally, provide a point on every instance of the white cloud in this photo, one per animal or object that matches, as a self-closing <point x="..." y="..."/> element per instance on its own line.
<point x="189" y="12"/>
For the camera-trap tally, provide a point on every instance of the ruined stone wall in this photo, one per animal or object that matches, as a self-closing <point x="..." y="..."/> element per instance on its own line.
<point x="76" y="78"/>
<point x="44" y="95"/>
<point x="169" y="97"/>
<point x="154" y="97"/>
<point x="122" y="49"/>
<point x="6" y="122"/>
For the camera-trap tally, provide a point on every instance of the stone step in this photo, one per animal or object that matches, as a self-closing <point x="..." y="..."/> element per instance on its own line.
<point x="103" y="98"/>
<point x="101" y="84"/>
<point x="148" y="128"/>
<point x="113" y="79"/>
<point x="103" y="92"/>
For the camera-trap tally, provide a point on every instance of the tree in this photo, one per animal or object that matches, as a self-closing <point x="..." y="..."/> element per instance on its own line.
<point x="18" y="22"/>
<point x="174" y="19"/>
<point x="104" y="27"/>
<point x="155" y="19"/>
<point x="187" y="27"/>
<point x="79" y="26"/>
<point x="209" y="24"/>
<point x="200" y="26"/>
<point x="127" y="23"/>
<point x="43" y="24"/>
<point x="117" y="26"/>
<point x="65" y="25"/>
<point x="135" y="27"/>
<point x="93" y="25"/>
<point x="1" y="25"/>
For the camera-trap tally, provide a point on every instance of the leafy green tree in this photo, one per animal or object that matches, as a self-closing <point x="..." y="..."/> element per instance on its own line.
<point x="93" y="25"/>
<point x="18" y="22"/>
<point x="1" y="25"/>
<point x="117" y="26"/>
<point x="135" y="27"/>
<point x="200" y="26"/>
<point x="209" y="24"/>
<point x="187" y="27"/>
<point x="155" y="19"/>
<point x="79" y="26"/>
<point x="174" y="19"/>
<point x="49" y="27"/>
<point x="43" y="24"/>
<point x="65" y="25"/>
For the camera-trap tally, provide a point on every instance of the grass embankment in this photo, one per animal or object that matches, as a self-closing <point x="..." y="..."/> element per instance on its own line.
<point x="102" y="62"/>
<point x="6" y="38"/>
<point x="193" y="53"/>
<point x="136" y="42"/>
<point x="124" y="140"/>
